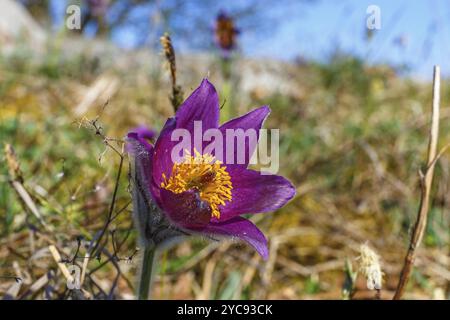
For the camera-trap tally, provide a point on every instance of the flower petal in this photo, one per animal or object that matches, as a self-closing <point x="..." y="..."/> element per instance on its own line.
<point x="243" y="229"/>
<point x="162" y="161"/>
<point x="255" y="193"/>
<point x="202" y="105"/>
<point x="186" y="209"/>
<point x="251" y="121"/>
<point x="151" y="222"/>
<point x="140" y="153"/>
<point x="142" y="134"/>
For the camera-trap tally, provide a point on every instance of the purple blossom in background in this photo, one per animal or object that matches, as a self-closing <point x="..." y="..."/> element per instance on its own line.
<point x="201" y="195"/>
<point x="144" y="135"/>
<point x="98" y="7"/>
<point x="225" y="32"/>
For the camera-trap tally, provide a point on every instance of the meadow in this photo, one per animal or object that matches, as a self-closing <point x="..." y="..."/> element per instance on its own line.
<point x="353" y="138"/>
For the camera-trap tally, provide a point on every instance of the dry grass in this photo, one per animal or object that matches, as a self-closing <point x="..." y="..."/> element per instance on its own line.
<point x="352" y="139"/>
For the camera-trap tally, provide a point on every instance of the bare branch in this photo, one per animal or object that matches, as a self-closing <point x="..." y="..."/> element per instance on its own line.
<point x="426" y="182"/>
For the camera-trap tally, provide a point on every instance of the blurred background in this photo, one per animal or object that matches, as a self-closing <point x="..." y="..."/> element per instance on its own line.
<point x="352" y="104"/>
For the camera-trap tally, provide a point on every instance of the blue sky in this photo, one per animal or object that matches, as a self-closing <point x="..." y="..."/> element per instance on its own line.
<point x="314" y="29"/>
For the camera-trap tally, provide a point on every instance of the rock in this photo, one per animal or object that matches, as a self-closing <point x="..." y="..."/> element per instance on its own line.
<point x="18" y="28"/>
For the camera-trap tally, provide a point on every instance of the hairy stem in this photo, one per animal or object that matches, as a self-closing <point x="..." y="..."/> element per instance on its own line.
<point x="145" y="278"/>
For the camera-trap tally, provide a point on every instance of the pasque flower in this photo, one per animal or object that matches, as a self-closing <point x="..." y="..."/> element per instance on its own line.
<point x="225" y="32"/>
<point x="200" y="194"/>
<point x="98" y="7"/>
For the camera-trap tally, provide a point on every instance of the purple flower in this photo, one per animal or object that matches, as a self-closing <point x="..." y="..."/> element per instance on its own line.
<point x="143" y="135"/>
<point x="98" y="7"/>
<point x="225" y="32"/>
<point x="201" y="195"/>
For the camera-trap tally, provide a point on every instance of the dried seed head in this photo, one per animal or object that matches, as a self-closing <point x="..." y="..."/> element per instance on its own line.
<point x="169" y="53"/>
<point x="369" y="266"/>
<point x="177" y="94"/>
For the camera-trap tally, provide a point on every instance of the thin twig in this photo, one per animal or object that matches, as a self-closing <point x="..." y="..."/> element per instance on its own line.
<point x="57" y="257"/>
<point x="84" y="268"/>
<point x="426" y="182"/>
<point x="112" y="206"/>
<point x="36" y="286"/>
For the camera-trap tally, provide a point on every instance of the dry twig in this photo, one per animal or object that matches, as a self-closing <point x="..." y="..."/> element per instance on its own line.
<point x="57" y="257"/>
<point x="426" y="180"/>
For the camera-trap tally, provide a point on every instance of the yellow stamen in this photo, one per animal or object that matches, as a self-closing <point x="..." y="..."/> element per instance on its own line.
<point x="203" y="173"/>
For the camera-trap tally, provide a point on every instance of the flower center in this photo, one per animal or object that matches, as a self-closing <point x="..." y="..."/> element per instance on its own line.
<point x="202" y="173"/>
